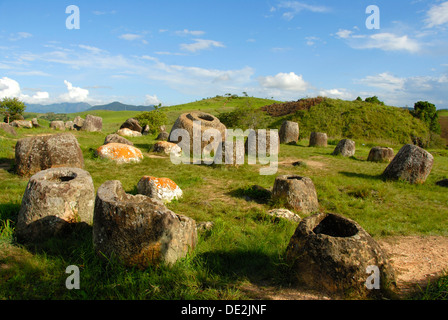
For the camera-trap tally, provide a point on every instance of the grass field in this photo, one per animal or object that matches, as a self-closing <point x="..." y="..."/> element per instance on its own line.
<point x="245" y="245"/>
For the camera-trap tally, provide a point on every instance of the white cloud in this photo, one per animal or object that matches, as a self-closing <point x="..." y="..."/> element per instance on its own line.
<point x="152" y="100"/>
<point x="74" y="94"/>
<point x="401" y="91"/>
<point x="385" y="81"/>
<point x="384" y="41"/>
<point x="344" y="34"/>
<point x="391" y="42"/>
<point x="20" y="35"/>
<point x="296" y="7"/>
<point x="336" y="93"/>
<point x="130" y="36"/>
<point x="201" y="44"/>
<point x="91" y="49"/>
<point x="190" y="32"/>
<point x="10" y="88"/>
<point x="285" y="81"/>
<point x="437" y="15"/>
<point x="38" y="97"/>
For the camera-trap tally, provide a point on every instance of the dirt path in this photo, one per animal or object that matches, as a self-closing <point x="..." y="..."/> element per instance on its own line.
<point x="416" y="260"/>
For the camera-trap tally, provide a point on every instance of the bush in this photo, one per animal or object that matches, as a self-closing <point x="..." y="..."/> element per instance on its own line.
<point x="154" y="119"/>
<point x="427" y="112"/>
<point x="244" y="117"/>
<point x="12" y="108"/>
<point x="375" y="100"/>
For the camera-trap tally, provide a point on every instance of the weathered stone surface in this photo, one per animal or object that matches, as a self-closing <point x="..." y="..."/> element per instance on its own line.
<point x="145" y="130"/>
<point x="204" y="226"/>
<point x="120" y="153"/>
<point x="125" y="132"/>
<point x="298" y="192"/>
<point x="55" y="199"/>
<point x="163" y="189"/>
<point x="206" y="121"/>
<point x="92" y="123"/>
<point x="163" y="136"/>
<point x="22" y="124"/>
<point x="78" y="122"/>
<point x="70" y="125"/>
<point x="228" y="154"/>
<point x="284" y="214"/>
<point x="35" y="123"/>
<point x="8" y="128"/>
<point x="115" y="138"/>
<point x="318" y="139"/>
<point x="381" y="154"/>
<point x="132" y="124"/>
<point x="332" y="253"/>
<point x="345" y="148"/>
<point x="261" y="140"/>
<point x="138" y="230"/>
<point x="57" y="125"/>
<point x="167" y="148"/>
<point x="38" y="153"/>
<point x="411" y="163"/>
<point x="289" y="132"/>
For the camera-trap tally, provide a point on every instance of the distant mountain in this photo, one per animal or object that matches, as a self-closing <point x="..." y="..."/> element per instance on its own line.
<point x="118" y="106"/>
<point x="65" y="107"/>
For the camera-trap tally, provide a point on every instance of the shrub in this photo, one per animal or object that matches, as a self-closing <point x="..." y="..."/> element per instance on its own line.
<point x="427" y="112"/>
<point x="374" y="100"/>
<point x="12" y="108"/>
<point x="154" y="119"/>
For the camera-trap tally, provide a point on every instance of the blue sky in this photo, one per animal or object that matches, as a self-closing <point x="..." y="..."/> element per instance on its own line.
<point x="172" y="52"/>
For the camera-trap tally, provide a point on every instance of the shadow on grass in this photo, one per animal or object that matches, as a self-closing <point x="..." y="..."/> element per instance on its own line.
<point x="362" y="175"/>
<point x="8" y="165"/>
<point x="254" y="193"/>
<point x="146" y="147"/>
<point x="9" y="211"/>
<point x="255" y="266"/>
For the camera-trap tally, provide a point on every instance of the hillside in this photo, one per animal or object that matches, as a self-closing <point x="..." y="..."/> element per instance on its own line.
<point x="338" y="118"/>
<point x="67" y="107"/>
<point x="58" y="107"/>
<point x="118" y="106"/>
<point x="359" y="120"/>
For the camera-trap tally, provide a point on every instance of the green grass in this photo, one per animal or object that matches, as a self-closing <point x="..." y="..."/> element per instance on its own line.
<point x="244" y="246"/>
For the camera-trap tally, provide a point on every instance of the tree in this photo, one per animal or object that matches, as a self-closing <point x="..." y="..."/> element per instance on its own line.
<point x="374" y="100"/>
<point x="427" y="112"/>
<point x="11" y="108"/>
<point x="154" y="119"/>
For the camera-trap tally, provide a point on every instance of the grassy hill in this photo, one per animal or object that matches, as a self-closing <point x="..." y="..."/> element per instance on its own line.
<point x="245" y="249"/>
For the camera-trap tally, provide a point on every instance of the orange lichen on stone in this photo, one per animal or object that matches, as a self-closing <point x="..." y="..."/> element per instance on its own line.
<point x="120" y="152"/>
<point x="161" y="182"/>
<point x="163" y="189"/>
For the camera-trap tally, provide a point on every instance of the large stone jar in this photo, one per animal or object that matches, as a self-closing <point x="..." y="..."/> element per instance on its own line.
<point x="138" y="230"/>
<point x="53" y="200"/>
<point x="333" y="253"/>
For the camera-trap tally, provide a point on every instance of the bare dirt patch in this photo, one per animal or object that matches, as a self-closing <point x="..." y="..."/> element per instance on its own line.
<point x="416" y="260"/>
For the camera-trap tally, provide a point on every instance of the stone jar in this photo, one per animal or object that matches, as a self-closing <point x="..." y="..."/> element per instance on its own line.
<point x="55" y="199"/>
<point x="332" y="253"/>
<point x="137" y="230"/>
